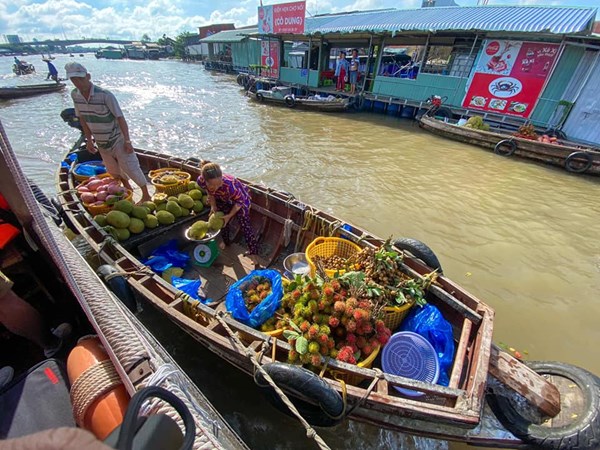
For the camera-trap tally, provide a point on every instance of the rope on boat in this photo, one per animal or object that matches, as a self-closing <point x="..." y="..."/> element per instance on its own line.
<point x="94" y="382"/>
<point x="126" y="274"/>
<point x="118" y="334"/>
<point x="310" y="431"/>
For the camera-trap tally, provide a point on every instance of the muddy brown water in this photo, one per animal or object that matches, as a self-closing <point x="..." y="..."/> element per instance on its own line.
<point x="520" y="236"/>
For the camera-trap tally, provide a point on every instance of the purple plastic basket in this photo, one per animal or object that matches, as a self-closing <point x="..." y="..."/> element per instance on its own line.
<point x="410" y="355"/>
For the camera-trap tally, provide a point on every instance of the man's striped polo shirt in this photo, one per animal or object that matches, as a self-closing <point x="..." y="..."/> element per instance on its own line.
<point x="100" y="113"/>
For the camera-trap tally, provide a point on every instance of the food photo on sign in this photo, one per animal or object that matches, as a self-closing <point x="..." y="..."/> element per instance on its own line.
<point x="509" y="76"/>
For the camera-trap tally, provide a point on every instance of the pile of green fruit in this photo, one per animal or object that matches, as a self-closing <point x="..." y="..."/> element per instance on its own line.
<point x="201" y="228"/>
<point x="476" y="122"/>
<point x="126" y="218"/>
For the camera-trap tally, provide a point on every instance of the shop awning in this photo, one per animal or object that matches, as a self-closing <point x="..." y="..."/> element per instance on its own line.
<point x="517" y="19"/>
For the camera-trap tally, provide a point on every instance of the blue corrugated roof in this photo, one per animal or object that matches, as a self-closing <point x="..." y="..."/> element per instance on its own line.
<point x="518" y="19"/>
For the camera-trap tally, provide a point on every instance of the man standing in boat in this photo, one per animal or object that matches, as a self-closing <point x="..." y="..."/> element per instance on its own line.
<point x="101" y="119"/>
<point x="52" y="72"/>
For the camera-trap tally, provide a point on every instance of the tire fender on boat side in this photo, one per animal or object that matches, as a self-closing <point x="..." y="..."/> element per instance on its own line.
<point x="511" y="147"/>
<point x="323" y="406"/>
<point x="44" y="202"/>
<point x="99" y="397"/>
<point x="63" y="215"/>
<point x="574" y="429"/>
<point x="118" y="285"/>
<point x="573" y="157"/>
<point x="290" y="101"/>
<point x="240" y="79"/>
<point x="421" y="251"/>
<point x="260" y="97"/>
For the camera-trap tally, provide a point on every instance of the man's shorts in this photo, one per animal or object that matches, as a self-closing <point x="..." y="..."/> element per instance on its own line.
<point x="5" y="284"/>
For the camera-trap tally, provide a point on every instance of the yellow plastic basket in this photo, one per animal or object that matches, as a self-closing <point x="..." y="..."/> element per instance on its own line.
<point x="365" y="364"/>
<point x="105" y="209"/>
<point x="170" y="189"/>
<point x="328" y="246"/>
<point x="394" y="315"/>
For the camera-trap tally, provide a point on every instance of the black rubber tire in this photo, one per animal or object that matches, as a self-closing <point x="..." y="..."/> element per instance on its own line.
<point x="44" y="202"/>
<point x="577" y="155"/>
<point x="63" y="215"/>
<point x="325" y="407"/>
<point x="582" y="434"/>
<point x="240" y="79"/>
<point x="512" y="147"/>
<point x="260" y="97"/>
<point x="421" y="251"/>
<point x="290" y="102"/>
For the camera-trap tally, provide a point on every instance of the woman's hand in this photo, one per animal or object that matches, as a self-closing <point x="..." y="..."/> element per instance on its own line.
<point x="91" y="147"/>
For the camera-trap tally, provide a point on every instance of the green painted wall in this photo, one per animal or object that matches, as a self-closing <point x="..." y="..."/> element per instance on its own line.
<point x="245" y="53"/>
<point x="557" y="84"/>
<point x="423" y="87"/>
<point x="294" y="76"/>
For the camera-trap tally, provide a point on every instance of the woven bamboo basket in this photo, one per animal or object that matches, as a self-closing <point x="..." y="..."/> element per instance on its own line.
<point x="170" y="189"/>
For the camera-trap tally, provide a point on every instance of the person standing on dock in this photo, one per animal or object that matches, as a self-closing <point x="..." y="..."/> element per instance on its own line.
<point x="341" y="69"/>
<point x="102" y="119"/>
<point x="354" y="64"/>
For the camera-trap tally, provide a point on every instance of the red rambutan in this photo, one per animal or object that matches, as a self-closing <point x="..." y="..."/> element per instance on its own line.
<point x="315" y="359"/>
<point x="334" y="322"/>
<point x="304" y="326"/>
<point x="339" y="306"/>
<point x="351" y="326"/>
<point x="328" y="291"/>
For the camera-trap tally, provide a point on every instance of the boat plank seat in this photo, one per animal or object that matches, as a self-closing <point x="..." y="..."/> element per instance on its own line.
<point x="517" y="376"/>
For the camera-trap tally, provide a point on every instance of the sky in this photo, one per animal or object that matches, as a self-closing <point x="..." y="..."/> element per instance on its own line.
<point x="131" y="19"/>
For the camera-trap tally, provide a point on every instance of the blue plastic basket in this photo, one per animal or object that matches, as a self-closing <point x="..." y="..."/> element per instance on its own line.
<point x="410" y="355"/>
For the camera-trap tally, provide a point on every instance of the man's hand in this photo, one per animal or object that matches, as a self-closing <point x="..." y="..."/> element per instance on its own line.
<point x="91" y="147"/>
<point x="128" y="147"/>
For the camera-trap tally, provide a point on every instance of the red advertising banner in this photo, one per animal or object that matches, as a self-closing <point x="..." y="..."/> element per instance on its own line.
<point x="285" y="18"/>
<point x="269" y="56"/>
<point x="509" y="76"/>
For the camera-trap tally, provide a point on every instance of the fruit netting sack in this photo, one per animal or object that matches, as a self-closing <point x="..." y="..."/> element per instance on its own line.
<point x="166" y="256"/>
<point x="236" y="305"/>
<point x="429" y="323"/>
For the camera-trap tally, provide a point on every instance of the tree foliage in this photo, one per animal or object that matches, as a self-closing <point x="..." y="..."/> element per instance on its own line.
<point x="181" y="41"/>
<point x="146" y="38"/>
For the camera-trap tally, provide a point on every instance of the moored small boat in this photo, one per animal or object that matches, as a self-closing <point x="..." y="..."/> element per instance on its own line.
<point x="572" y="157"/>
<point x="480" y="375"/>
<point x="283" y="95"/>
<point x="8" y="93"/>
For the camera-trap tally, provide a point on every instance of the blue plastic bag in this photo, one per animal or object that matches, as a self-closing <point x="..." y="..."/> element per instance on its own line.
<point x="190" y="287"/>
<point x="235" y="304"/>
<point x="429" y="323"/>
<point x="165" y="256"/>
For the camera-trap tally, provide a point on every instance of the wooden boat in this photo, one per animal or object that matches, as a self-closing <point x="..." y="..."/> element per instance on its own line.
<point x="9" y="93"/>
<point x="24" y="68"/>
<point x="283" y="95"/>
<point x="568" y="155"/>
<point x="473" y="408"/>
<point x="48" y="272"/>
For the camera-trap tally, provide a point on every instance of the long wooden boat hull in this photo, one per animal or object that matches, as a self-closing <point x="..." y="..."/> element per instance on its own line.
<point x="337" y="105"/>
<point x="9" y="93"/>
<point x="553" y="154"/>
<point x="285" y="225"/>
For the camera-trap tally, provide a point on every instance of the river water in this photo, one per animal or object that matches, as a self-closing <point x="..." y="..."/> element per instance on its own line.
<point x="520" y="236"/>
